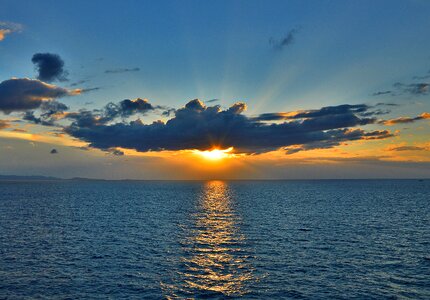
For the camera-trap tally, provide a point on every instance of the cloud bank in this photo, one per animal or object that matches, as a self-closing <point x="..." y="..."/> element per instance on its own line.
<point x="197" y="126"/>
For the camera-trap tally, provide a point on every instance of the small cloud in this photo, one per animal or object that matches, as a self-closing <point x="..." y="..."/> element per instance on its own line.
<point x="90" y="89"/>
<point x="8" y="28"/>
<point x="54" y="151"/>
<point x="115" y="152"/>
<point x="382" y="93"/>
<point x="77" y="83"/>
<point x="212" y="100"/>
<point x="121" y="70"/>
<point x="408" y="148"/>
<point x="286" y="41"/>
<point x="50" y="67"/>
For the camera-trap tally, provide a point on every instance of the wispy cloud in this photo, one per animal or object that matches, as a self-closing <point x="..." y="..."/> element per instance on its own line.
<point x="403" y="120"/>
<point x="408" y="148"/>
<point x="122" y="70"/>
<point x="8" y="28"/>
<point x="285" y="41"/>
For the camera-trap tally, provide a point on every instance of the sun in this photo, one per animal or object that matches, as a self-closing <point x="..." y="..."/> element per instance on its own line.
<point x="215" y="154"/>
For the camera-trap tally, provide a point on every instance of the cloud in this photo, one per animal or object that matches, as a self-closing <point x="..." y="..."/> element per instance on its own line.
<point x="122" y="70"/>
<point x="77" y="83"/>
<point x="328" y="111"/>
<point x="90" y="89"/>
<point x="114" y="152"/>
<point x="382" y="93"/>
<point x="285" y="41"/>
<point x="53" y="151"/>
<point x="4" y="124"/>
<point x="8" y="28"/>
<point x="50" y="67"/>
<point x="20" y="94"/>
<point x="124" y="109"/>
<point x="337" y="137"/>
<point x="408" y="148"/>
<point x="403" y="120"/>
<point x="51" y="112"/>
<point x="413" y="88"/>
<point x="197" y="126"/>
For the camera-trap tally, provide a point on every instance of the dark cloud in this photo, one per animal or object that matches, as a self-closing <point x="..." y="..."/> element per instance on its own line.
<point x="86" y="90"/>
<point x="123" y="109"/>
<point x="129" y="107"/>
<point x="20" y="94"/>
<point x="285" y="41"/>
<point x="122" y="70"/>
<point x="212" y="100"/>
<point x="197" y="126"/>
<point x="51" y="111"/>
<point x="49" y="66"/>
<point x="328" y="111"/>
<point x="4" y="124"/>
<point x="403" y="120"/>
<point x="408" y="148"/>
<point x="54" y="151"/>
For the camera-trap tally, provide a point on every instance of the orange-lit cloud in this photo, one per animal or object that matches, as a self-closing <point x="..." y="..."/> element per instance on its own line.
<point x="403" y="120"/>
<point x="8" y="28"/>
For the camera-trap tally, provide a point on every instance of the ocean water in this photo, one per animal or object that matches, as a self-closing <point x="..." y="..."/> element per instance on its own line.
<point x="351" y="239"/>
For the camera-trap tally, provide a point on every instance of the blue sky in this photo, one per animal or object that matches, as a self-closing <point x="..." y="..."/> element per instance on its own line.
<point x="342" y="51"/>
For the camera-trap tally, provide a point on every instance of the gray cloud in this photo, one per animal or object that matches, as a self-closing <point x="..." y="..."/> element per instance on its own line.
<point x="20" y="94"/>
<point x="382" y="93"/>
<point x="413" y="88"/>
<point x="50" y="67"/>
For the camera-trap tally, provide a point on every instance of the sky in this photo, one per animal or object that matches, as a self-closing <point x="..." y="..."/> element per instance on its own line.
<point x="215" y="90"/>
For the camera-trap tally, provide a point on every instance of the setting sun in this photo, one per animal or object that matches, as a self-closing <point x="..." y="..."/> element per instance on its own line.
<point x="215" y="154"/>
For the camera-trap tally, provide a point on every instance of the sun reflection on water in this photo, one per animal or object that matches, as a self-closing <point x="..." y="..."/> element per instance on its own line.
<point x="215" y="256"/>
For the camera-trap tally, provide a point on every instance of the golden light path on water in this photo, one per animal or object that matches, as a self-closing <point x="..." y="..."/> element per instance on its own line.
<point x="214" y="261"/>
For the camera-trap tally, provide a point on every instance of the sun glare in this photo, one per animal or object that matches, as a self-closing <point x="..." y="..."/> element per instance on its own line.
<point x="215" y="154"/>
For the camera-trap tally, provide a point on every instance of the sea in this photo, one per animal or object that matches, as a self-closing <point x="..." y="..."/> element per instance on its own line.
<point x="315" y="239"/>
